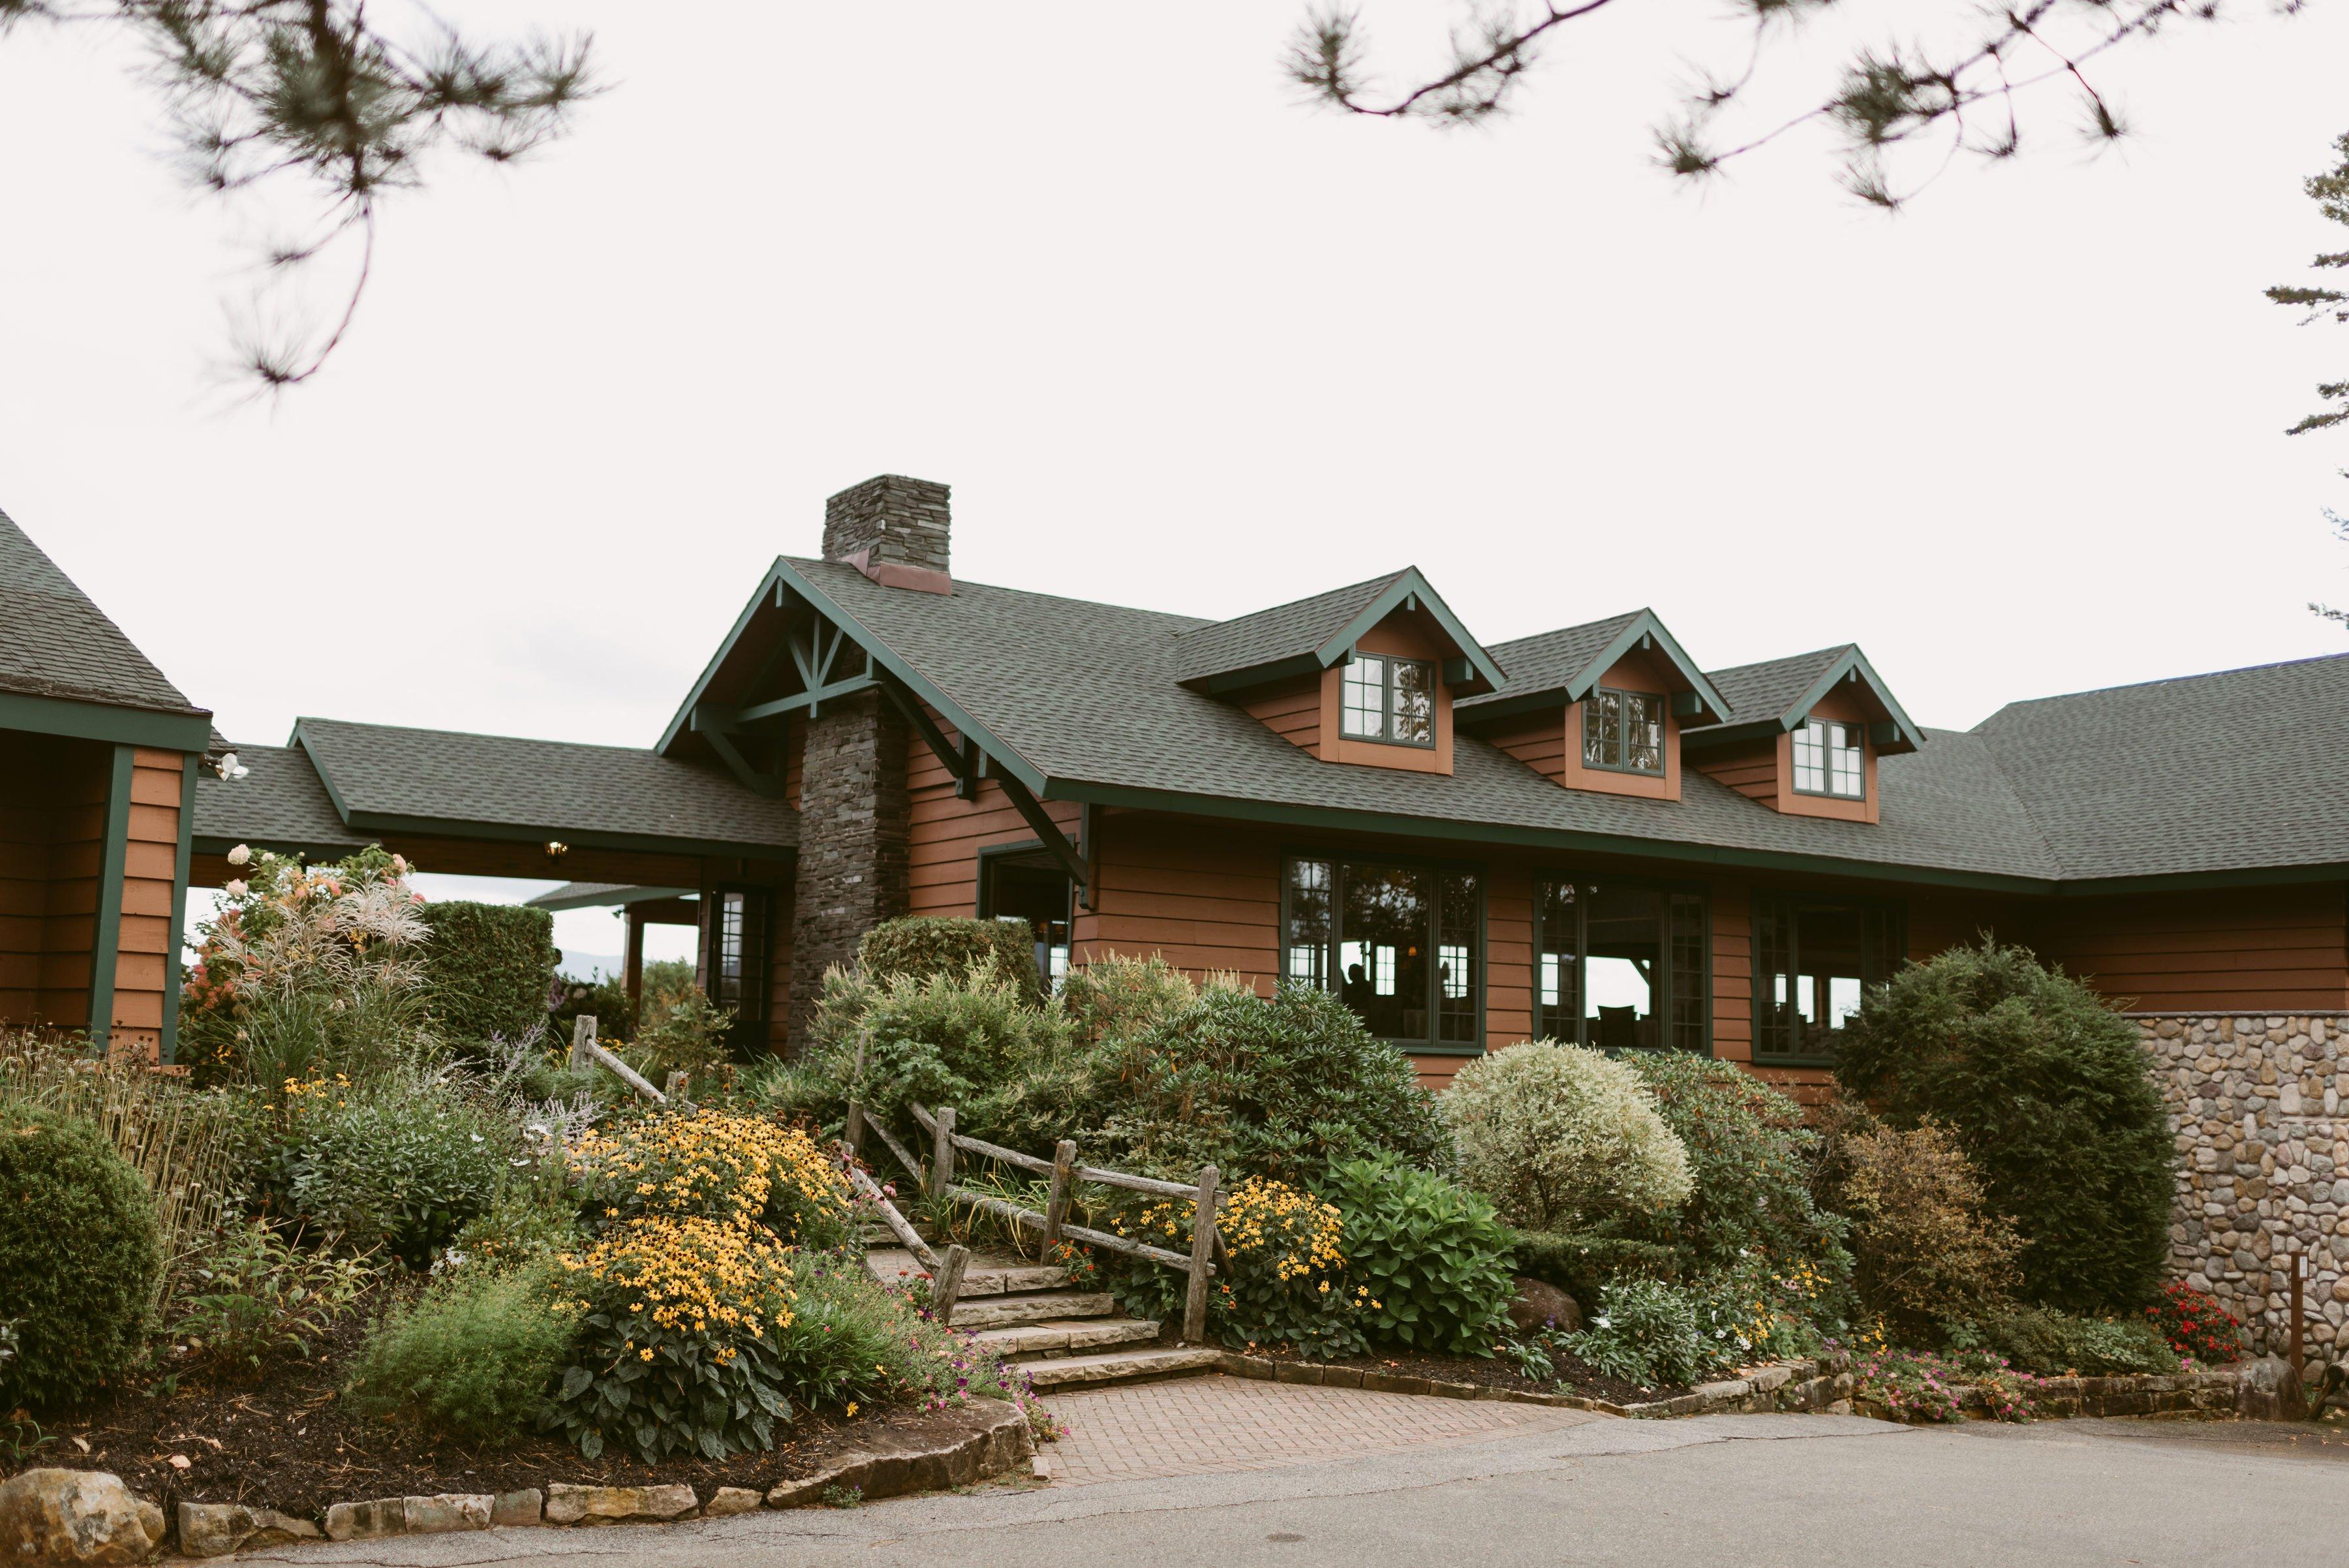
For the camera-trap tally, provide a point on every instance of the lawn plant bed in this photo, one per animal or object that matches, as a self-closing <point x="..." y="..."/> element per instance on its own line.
<point x="285" y="1438"/>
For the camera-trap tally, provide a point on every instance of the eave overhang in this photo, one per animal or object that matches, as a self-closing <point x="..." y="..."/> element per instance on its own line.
<point x="1893" y="735"/>
<point x="1643" y="632"/>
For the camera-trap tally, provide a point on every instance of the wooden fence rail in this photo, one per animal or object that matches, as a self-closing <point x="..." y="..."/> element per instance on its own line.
<point x="1063" y="1173"/>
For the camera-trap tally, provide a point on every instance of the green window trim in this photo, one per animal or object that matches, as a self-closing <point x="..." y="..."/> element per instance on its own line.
<point x="1684" y="956"/>
<point x="1836" y="740"/>
<point x="1394" y="679"/>
<point x="1881" y="937"/>
<point x="1608" y="717"/>
<point x="1450" y="1009"/>
<point x="173" y="977"/>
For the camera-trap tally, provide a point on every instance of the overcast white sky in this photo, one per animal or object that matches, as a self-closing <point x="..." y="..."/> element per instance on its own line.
<point x="1177" y="342"/>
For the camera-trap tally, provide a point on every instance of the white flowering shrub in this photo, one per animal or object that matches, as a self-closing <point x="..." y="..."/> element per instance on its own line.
<point x="1562" y="1138"/>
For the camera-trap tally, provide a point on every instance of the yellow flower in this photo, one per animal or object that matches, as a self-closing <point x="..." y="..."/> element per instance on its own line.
<point x="851" y="1406"/>
<point x="647" y="1352"/>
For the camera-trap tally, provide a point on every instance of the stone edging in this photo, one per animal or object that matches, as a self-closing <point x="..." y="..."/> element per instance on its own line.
<point x="1781" y="1385"/>
<point x="996" y="1437"/>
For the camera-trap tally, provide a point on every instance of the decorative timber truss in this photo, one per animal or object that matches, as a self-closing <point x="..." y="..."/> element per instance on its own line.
<point x="831" y="658"/>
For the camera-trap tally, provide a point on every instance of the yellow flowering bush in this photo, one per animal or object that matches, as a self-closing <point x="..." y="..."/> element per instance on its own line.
<point x="680" y="1319"/>
<point x="742" y="1171"/>
<point x="1283" y="1281"/>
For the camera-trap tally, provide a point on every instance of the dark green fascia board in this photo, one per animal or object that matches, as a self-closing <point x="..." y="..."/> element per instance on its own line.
<point x="1259" y="674"/>
<point x="1409" y="585"/>
<point x="2194" y="881"/>
<point x="1713" y="736"/>
<point x="171" y="1043"/>
<point x="1331" y="819"/>
<point x="216" y="844"/>
<point x="106" y="941"/>
<point x="679" y="725"/>
<point x="1003" y="759"/>
<point x="378" y="823"/>
<point x="97" y="722"/>
<point x="1475" y="715"/>
<point x="1855" y="663"/>
<point x="1645" y="630"/>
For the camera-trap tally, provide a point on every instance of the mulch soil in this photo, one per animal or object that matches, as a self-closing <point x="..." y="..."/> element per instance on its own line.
<point x="283" y="1439"/>
<point x="1492" y="1371"/>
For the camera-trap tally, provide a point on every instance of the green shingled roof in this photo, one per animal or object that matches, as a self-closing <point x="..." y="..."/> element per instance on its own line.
<point x="279" y="804"/>
<point x="1087" y="699"/>
<point x="54" y="642"/>
<point x="1767" y="689"/>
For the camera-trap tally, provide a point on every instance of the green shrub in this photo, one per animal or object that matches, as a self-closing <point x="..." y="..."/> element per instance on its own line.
<point x="488" y="969"/>
<point x="1563" y="1138"/>
<point x="1648" y="1332"/>
<point x="851" y="1342"/>
<point x="2048" y="1092"/>
<point x="473" y="1359"/>
<point x="253" y="1293"/>
<point x="534" y="1216"/>
<point x="938" y="1039"/>
<point x="745" y="1172"/>
<point x="1426" y="1257"/>
<point x="927" y="946"/>
<point x="1116" y="995"/>
<point x="691" y="1035"/>
<point x="1278" y="1086"/>
<point x="1925" y="1249"/>
<point x="79" y="1256"/>
<point x="1581" y="1263"/>
<point x="1750" y="1161"/>
<point x="604" y="998"/>
<point x="402" y="1165"/>
<point x="2042" y="1340"/>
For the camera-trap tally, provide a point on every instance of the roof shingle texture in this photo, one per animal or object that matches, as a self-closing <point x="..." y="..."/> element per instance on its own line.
<point x="1266" y="636"/>
<point x="1549" y="660"/>
<point x="1768" y="690"/>
<point x="279" y="803"/>
<point x="2246" y="768"/>
<point x="381" y="770"/>
<point x="54" y="642"/>
<point x="1089" y="693"/>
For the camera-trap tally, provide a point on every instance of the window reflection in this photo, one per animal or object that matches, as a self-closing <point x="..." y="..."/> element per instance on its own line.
<point x="1400" y="944"/>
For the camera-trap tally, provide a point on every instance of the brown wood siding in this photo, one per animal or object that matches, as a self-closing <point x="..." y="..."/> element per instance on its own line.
<point x="1208" y="900"/>
<point x="142" y="964"/>
<point x="1292" y="709"/>
<point x="2262" y="950"/>
<point x="945" y="833"/>
<point x="1750" y="768"/>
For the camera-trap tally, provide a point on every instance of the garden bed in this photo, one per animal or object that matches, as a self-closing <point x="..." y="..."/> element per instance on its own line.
<point x="284" y="1439"/>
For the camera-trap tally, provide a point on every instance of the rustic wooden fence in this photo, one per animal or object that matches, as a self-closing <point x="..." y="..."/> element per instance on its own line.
<point x="1063" y="1172"/>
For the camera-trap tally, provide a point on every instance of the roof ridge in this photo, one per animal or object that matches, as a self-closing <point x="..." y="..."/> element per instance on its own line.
<point x="2158" y="681"/>
<point x="1784" y="659"/>
<point x="303" y="719"/>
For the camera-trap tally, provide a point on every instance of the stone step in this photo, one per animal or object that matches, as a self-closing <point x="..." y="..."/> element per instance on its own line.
<point x="1069" y="1371"/>
<point x="985" y="1275"/>
<point x="1047" y="1306"/>
<point x="1064" y="1336"/>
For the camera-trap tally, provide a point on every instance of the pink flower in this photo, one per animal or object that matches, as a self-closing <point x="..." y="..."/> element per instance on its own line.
<point x="235" y="888"/>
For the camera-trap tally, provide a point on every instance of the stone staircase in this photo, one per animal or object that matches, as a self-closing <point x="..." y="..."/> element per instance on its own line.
<point x="1065" y="1338"/>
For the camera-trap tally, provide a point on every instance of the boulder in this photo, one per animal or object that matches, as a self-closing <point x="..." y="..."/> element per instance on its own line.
<point x="217" y="1529"/>
<point x="1536" y="1304"/>
<point x="76" y="1516"/>
<point x="445" y="1511"/>
<point x="516" y="1508"/>
<point x="728" y="1499"/>
<point x="367" y="1521"/>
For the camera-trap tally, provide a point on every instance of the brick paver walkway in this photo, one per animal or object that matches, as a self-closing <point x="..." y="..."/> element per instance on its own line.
<point x="1192" y="1425"/>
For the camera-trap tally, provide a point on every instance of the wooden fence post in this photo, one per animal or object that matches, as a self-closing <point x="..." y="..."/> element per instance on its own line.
<point x="941" y="1152"/>
<point x="2292" y="1402"/>
<point x="675" y="1088"/>
<point x="582" y="1035"/>
<point x="1202" y="1259"/>
<point x="1056" y="1208"/>
<point x="947" y="1284"/>
<point x="854" y="1135"/>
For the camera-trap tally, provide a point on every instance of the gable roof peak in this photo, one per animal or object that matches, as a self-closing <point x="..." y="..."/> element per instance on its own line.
<point x="1562" y="666"/>
<point x="1310" y="634"/>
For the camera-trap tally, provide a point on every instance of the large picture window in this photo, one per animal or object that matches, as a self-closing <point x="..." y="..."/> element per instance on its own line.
<point x="1401" y="944"/>
<point x="737" y="965"/>
<point x="1813" y="959"/>
<point x="1623" y="731"/>
<point x="1621" y="966"/>
<point x="1829" y="760"/>
<point x="1386" y="698"/>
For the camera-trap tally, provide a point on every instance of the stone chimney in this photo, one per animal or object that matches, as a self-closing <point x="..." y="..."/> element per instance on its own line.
<point x="894" y="530"/>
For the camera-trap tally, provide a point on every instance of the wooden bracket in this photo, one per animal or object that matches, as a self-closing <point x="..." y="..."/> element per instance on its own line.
<point x="1049" y="833"/>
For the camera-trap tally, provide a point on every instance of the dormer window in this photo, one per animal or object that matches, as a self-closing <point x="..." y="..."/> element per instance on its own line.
<point x="1623" y="731"/>
<point x="1829" y="760"/>
<point x="1389" y="699"/>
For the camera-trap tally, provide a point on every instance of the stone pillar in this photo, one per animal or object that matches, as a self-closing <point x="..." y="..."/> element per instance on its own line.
<point x="853" y="860"/>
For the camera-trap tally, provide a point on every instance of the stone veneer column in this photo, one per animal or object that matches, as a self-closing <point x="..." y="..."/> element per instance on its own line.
<point x="852" y="859"/>
<point x="2261" y="1108"/>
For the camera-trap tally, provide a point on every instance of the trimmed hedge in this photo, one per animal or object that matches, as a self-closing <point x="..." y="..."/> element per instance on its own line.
<point x="921" y="946"/>
<point x="488" y="969"/>
<point x="2052" y="1098"/>
<point x="1581" y="1264"/>
<point x="79" y="1257"/>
